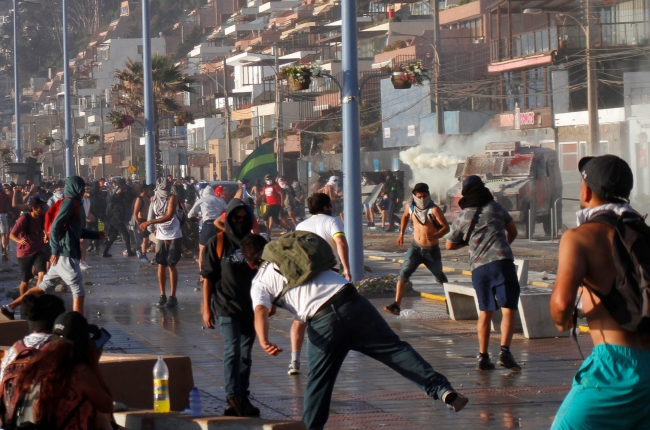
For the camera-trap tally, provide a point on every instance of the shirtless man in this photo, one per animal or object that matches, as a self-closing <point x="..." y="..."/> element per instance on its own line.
<point x="612" y="387"/>
<point x="430" y="225"/>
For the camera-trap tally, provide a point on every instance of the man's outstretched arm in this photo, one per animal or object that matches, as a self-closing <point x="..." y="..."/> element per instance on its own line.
<point x="262" y="330"/>
<point x="571" y="271"/>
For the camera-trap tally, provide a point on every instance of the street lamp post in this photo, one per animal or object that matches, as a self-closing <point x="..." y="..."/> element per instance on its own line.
<point x="69" y="162"/>
<point x="351" y="148"/>
<point x="149" y="141"/>
<point x="17" y="151"/>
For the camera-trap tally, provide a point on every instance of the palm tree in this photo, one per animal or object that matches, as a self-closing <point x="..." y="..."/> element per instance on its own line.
<point x="168" y="83"/>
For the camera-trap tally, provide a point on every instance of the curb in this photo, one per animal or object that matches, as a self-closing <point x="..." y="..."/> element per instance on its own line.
<point x="448" y="269"/>
<point x="433" y="297"/>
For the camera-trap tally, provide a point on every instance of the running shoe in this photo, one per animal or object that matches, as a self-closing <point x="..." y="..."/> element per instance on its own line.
<point x="507" y="360"/>
<point x="131" y="253"/>
<point x="107" y="255"/>
<point x="84" y="266"/>
<point x="294" y="368"/>
<point x="484" y="363"/>
<point x="7" y="312"/>
<point x="172" y="302"/>
<point x="162" y="301"/>
<point x="393" y="309"/>
<point x="144" y="259"/>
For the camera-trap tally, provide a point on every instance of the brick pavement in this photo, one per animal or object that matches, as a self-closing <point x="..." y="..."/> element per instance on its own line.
<point x="367" y="395"/>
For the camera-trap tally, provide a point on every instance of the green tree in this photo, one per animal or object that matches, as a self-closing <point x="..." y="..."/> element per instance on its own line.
<point x="168" y="83"/>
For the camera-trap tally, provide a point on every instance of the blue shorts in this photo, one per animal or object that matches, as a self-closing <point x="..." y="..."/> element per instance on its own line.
<point x="496" y="285"/>
<point x="610" y="391"/>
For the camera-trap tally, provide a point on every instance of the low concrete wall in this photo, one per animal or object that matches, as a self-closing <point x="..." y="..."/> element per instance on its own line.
<point x="130" y="379"/>
<point x="147" y="420"/>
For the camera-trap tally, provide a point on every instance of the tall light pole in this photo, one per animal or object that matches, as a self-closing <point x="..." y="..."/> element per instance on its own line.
<point x="226" y="111"/>
<point x="69" y="161"/>
<point x="351" y="148"/>
<point x="278" y="114"/>
<point x="17" y="151"/>
<point x="149" y="138"/>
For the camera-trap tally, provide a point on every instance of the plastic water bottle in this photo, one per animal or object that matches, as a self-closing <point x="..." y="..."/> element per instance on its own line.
<point x="195" y="403"/>
<point x="160" y="386"/>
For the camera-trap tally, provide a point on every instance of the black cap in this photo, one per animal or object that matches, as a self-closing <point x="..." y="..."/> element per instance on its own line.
<point x="35" y="201"/>
<point x="421" y="188"/>
<point x="74" y="328"/>
<point x="608" y="176"/>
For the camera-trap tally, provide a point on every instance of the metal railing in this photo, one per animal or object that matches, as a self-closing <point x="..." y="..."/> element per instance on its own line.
<point x="554" y="226"/>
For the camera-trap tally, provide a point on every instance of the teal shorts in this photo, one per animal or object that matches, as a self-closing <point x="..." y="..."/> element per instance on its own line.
<point x="610" y="391"/>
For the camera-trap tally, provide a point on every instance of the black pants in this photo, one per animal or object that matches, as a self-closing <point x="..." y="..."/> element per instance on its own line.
<point x="392" y="207"/>
<point x="115" y="228"/>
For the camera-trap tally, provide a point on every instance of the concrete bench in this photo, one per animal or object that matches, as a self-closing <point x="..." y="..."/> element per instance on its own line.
<point x="133" y="420"/>
<point x="533" y="318"/>
<point x="130" y="379"/>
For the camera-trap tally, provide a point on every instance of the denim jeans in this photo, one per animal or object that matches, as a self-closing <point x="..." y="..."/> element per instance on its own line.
<point x="236" y="357"/>
<point x="357" y="326"/>
<point x="416" y="256"/>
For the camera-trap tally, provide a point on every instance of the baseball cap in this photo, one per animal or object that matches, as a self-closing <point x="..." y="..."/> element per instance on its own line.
<point x="608" y="176"/>
<point x="36" y="201"/>
<point x="74" y="328"/>
<point x="421" y="188"/>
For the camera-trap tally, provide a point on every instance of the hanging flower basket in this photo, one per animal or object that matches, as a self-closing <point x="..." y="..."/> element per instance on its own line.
<point x="399" y="82"/>
<point x="5" y="151"/>
<point x="302" y="83"/>
<point x="119" y="119"/>
<point x="44" y="139"/>
<point x="182" y="118"/>
<point x="91" y="138"/>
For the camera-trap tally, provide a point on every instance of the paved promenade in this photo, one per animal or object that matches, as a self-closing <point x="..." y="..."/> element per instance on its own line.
<point x="367" y="395"/>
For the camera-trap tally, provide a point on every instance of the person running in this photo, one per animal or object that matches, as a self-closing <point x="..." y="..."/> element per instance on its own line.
<point x="395" y="192"/>
<point x="272" y="193"/>
<point x="329" y="228"/>
<point x="288" y="199"/>
<point x="210" y="208"/>
<point x="90" y="221"/>
<point x="335" y="194"/>
<point x="611" y="389"/>
<point x="429" y="225"/>
<point x="368" y="207"/>
<point x="98" y="201"/>
<point x="165" y="213"/>
<point x="299" y="202"/>
<point x="139" y="215"/>
<point x="226" y="295"/>
<point x="119" y="213"/>
<point x="64" y="238"/>
<point x="5" y="206"/>
<point x="489" y="230"/>
<point x="340" y="320"/>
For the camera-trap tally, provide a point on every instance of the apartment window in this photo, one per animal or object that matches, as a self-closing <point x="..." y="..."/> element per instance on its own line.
<point x="102" y="53"/>
<point x="535" y="88"/>
<point x="124" y="11"/>
<point x="513" y="89"/>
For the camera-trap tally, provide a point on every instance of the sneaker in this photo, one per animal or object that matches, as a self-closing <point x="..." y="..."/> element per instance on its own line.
<point x="234" y="408"/>
<point x="131" y="254"/>
<point x="84" y="266"/>
<point x="107" y="255"/>
<point x="484" y="363"/>
<point x="162" y="301"/>
<point x="294" y="368"/>
<point x="144" y="259"/>
<point x="7" y="312"/>
<point x="247" y="409"/>
<point x="393" y="309"/>
<point x="508" y="361"/>
<point x="454" y="401"/>
<point x="125" y="252"/>
<point x="172" y="302"/>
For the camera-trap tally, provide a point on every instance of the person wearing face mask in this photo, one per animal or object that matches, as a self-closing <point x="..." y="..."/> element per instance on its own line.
<point x="299" y="199"/>
<point x="367" y="207"/>
<point x="395" y="192"/>
<point x="288" y="197"/>
<point x="226" y="296"/>
<point x="333" y="191"/>
<point x="272" y="193"/>
<point x="429" y="225"/>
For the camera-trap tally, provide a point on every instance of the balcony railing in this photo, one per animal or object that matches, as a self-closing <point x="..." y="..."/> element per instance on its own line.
<point x="570" y="37"/>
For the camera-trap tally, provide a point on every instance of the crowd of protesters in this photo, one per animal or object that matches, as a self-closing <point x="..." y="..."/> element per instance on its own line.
<point x="243" y="285"/>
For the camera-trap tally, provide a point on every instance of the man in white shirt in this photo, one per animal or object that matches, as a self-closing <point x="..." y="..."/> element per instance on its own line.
<point x="329" y="228"/>
<point x="339" y="320"/>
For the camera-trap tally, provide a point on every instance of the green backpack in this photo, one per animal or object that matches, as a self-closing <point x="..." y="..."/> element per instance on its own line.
<point x="300" y="256"/>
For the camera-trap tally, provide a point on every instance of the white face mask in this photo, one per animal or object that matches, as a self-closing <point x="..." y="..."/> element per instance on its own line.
<point x="269" y="182"/>
<point x="282" y="183"/>
<point x="422" y="203"/>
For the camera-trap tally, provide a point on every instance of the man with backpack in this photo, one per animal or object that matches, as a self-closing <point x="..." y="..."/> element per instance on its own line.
<point x="429" y="225"/>
<point x="166" y="213"/>
<point x="339" y="320"/>
<point x="64" y="226"/>
<point x="28" y="233"/>
<point x="226" y="295"/>
<point x="606" y="262"/>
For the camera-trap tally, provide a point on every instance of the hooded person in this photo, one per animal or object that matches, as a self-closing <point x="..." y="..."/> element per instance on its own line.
<point x="209" y="207"/>
<point x="65" y="234"/>
<point x="226" y="288"/>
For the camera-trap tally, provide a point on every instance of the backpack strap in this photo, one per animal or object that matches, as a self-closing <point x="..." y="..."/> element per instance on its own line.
<point x="219" y="244"/>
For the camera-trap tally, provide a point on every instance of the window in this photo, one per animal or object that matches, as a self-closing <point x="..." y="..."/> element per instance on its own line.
<point x="139" y="49"/>
<point x="102" y="53"/>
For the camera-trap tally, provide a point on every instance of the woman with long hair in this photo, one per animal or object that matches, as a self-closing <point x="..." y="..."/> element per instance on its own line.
<point x="65" y="381"/>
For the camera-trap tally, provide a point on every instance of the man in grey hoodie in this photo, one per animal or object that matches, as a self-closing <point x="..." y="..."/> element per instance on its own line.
<point x="209" y="207"/>
<point x="65" y="234"/>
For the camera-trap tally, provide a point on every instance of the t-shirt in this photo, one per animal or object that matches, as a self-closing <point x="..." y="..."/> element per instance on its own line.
<point x="303" y="301"/>
<point x="327" y="227"/>
<point x="168" y="230"/>
<point x="273" y="194"/>
<point x="35" y="237"/>
<point x="488" y="242"/>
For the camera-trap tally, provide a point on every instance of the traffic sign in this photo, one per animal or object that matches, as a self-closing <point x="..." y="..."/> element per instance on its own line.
<point x="132" y="169"/>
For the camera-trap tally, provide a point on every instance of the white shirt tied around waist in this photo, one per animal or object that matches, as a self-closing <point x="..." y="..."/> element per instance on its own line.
<point x="303" y="301"/>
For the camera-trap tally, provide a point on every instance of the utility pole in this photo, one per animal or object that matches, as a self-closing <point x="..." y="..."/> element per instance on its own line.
<point x="18" y="149"/>
<point x="440" y="111"/>
<point x="227" y="120"/>
<point x="278" y="114"/>
<point x="101" y="133"/>
<point x="592" y="91"/>
<point x="69" y="166"/>
<point x="149" y="114"/>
